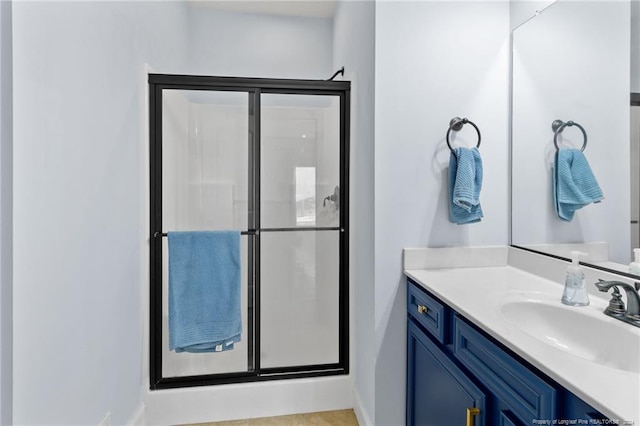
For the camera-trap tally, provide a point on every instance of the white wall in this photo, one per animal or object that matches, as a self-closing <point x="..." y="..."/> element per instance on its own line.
<point x="353" y="47"/>
<point x="6" y="213"/>
<point x="434" y="61"/>
<point x="251" y="45"/>
<point x="78" y="202"/>
<point x="586" y="81"/>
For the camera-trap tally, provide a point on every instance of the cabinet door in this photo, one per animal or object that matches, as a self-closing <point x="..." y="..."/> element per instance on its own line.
<point x="438" y="392"/>
<point x="518" y="395"/>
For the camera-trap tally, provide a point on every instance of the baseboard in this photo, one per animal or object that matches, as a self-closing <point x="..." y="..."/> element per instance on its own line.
<point x="361" y="414"/>
<point x="138" y="417"/>
<point x="204" y="404"/>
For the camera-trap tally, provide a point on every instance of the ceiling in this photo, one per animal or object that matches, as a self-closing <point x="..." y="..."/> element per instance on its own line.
<point x="300" y="8"/>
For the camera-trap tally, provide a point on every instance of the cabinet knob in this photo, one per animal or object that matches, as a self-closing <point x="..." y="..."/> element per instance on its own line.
<point x="422" y="309"/>
<point x="471" y="413"/>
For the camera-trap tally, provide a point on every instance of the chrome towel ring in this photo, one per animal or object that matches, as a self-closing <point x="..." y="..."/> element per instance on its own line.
<point x="456" y="124"/>
<point x="558" y="126"/>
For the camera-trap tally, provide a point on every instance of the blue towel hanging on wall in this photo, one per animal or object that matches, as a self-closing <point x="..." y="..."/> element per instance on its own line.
<point x="574" y="185"/>
<point x="465" y="183"/>
<point x="204" y="291"/>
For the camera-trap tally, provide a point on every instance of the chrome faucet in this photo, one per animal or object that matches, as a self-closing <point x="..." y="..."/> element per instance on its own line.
<point x="616" y="307"/>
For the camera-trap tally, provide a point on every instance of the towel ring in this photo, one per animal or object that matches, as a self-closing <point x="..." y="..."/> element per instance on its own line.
<point x="558" y="126"/>
<point x="456" y="124"/>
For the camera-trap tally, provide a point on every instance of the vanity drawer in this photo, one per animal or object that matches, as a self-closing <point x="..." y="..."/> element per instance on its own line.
<point x="518" y="391"/>
<point x="427" y="311"/>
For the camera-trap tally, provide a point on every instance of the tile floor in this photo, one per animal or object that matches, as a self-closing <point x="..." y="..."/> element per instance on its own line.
<point x="324" y="418"/>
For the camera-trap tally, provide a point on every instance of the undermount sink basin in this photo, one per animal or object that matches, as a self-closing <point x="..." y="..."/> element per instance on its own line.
<point x="580" y="331"/>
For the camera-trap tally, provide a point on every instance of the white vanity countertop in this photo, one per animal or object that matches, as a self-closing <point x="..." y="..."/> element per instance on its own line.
<point x="479" y="292"/>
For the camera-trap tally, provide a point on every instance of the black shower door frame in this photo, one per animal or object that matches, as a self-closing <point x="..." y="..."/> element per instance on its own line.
<point x="254" y="87"/>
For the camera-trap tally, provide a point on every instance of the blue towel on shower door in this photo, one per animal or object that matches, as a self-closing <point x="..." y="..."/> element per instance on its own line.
<point x="465" y="183"/>
<point x="204" y="291"/>
<point x="574" y="185"/>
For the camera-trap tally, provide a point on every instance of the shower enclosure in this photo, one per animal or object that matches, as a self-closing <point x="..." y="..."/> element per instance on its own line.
<point x="267" y="157"/>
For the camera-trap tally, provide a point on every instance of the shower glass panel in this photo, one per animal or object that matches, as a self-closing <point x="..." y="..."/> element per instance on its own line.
<point x="205" y="187"/>
<point x="269" y="158"/>
<point x="299" y="275"/>
<point x="299" y="288"/>
<point x="300" y="160"/>
<point x="204" y="162"/>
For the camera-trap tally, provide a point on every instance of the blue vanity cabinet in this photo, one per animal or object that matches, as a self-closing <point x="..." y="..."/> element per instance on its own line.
<point x="572" y="407"/>
<point x="438" y="392"/>
<point x="452" y="365"/>
<point x="518" y="394"/>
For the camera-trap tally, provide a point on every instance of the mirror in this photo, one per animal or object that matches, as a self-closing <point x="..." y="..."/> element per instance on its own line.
<point x="572" y="62"/>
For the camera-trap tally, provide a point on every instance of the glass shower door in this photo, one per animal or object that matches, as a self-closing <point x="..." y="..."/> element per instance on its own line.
<point x="299" y="224"/>
<point x="267" y="157"/>
<point x="205" y="188"/>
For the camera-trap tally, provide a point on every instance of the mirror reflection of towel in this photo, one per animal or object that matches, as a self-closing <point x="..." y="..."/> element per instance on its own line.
<point x="465" y="183"/>
<point x="574" y="185"/>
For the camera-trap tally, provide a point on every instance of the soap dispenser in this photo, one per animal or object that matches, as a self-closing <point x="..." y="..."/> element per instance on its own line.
<point x="634" y="267"/>
<point x="575" y="288"/>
